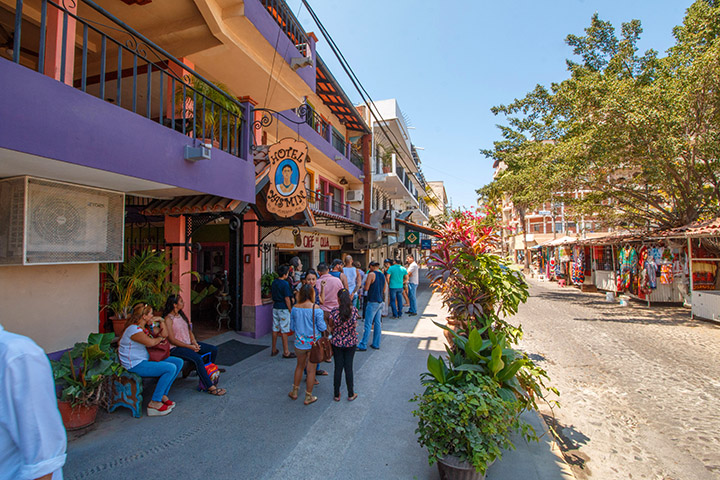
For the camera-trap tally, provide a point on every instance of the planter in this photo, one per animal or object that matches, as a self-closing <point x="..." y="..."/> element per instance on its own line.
<point x="386" y="169"/>
<point x="452" y="468"/>
<point x="118" y="326"/>
<point x="78" y="417"/>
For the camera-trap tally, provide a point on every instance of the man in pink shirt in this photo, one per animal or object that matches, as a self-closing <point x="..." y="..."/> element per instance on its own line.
<point x="329" y="288"/>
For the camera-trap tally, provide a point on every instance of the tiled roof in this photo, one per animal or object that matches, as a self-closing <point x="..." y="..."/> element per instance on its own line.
<point x="192" y="204"/>
<point x="339" y="218"/>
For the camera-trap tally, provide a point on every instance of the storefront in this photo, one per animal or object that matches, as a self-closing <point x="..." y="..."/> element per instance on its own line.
<point x="311" y="246"/>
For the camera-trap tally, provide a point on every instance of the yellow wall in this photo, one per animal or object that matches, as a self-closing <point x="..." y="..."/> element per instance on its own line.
<point x="55" y="305"/>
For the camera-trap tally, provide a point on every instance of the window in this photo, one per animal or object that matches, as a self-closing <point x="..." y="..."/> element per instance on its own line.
<point x="310" y="184"/>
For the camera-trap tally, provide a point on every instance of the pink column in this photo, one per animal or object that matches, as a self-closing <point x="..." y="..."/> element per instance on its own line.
<point x="253" y="269"/>
<point x="175" y="233"/>
<point x="54" y="42"/>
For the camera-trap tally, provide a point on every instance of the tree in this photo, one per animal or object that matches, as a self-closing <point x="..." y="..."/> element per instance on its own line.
<point x="638" y="134"/>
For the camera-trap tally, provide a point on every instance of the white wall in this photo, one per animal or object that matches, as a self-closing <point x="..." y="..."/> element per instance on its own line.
<point x="55" y="305"/>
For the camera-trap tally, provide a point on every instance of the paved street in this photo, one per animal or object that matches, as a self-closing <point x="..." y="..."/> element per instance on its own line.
<point x="640" y="387"/>
<point x="256" y="432"/>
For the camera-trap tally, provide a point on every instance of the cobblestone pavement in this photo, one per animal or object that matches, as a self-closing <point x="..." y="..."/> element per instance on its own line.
<point x="639" y="387"/>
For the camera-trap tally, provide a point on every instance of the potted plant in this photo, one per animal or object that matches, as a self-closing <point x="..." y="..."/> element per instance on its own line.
<point x="214" y="110"/>
<point x="475" y="395"/>
<point x="143" y="278"/>
<point x="266" y="282"/>
<point x="386" y="159"/>
<point x="79" y="374"/>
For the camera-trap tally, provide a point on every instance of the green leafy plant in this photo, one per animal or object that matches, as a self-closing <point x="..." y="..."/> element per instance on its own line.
<point x="81" y="371"/>
<point x="266" y="282"/>
<point x="467" y="419"/>
<point x="216" y="110"/>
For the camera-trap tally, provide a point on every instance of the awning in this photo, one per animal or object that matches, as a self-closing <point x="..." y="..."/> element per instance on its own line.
<point x="193" y="205"/>
<point x="332" y="95"/>
<point x="336" y="220"/>
<point x="418" y="228"/>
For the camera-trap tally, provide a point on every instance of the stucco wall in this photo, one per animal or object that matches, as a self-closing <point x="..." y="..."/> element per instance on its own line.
<point x="55" y="305"/>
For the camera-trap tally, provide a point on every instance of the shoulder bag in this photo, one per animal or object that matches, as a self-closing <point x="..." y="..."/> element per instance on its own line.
<point x="159" y="352"/>
<point x="321" y="350"/>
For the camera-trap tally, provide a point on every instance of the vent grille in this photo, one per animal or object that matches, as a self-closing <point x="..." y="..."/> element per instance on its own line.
<point x="53" y="222"/>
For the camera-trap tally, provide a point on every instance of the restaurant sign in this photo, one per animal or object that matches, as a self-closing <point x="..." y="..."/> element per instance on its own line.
<point x="287" y="194"/>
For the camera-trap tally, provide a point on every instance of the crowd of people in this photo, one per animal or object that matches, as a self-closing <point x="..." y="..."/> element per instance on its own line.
<point x="329" y="301"/>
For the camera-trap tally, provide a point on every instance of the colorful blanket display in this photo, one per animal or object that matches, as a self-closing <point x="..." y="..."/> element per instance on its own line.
<point x="704" y="275"/>
<point x="642" y="270"/>
<point x="628" y="268"/>
<point x="577" y="267"/>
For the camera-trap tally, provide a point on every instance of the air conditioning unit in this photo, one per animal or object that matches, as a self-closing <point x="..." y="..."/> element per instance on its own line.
<point x="364" y="239"/>
<point x="354" y="196"/>
<point x="305" y="60"/>
<point x="49" y="222"/>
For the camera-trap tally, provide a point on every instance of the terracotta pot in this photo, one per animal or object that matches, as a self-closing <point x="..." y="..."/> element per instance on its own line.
<point x="118" y="326"/>
<point x="386" y="169"/>
<point x="78" y="417"/>
<point x="452" y="468"/>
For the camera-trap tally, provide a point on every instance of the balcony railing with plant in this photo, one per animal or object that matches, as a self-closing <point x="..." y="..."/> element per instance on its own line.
<point x="115" y="63"/>
<point x="326" y="203"/>
<point x="356" y="156"/>
<point x="313" y="119"/>
<point x="338" y="142"/>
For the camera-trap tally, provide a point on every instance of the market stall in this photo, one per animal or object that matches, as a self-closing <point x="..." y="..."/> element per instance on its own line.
<point x="703" y="246"/>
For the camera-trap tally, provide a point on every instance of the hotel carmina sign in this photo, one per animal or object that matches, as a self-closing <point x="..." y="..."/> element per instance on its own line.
<point x="287" y="194"/>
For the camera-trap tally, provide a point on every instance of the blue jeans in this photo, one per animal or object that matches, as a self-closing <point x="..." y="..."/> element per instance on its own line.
<point x="373" y="316"/>
<point x="396" y="297"/>
<point x="195" y="357"/>
<point x="412" y="296"/>
<point x="166" y="371"/>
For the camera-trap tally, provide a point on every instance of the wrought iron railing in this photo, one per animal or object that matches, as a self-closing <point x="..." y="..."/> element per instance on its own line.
<point x="287" y="20"/>
<point x="313" y="119"/>
<point x="338" y="141"/>
<point x="326" y="203"/>
<point x="119" y="65"/>
<point x="356" y="157"/>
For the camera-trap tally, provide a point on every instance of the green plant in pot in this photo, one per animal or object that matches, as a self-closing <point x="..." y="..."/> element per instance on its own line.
<point x="215" y="112"/>
<point x="80" y="373"/>
<point x="266" y="282"/>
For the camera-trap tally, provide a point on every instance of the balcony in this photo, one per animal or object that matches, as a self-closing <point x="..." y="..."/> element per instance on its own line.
<point x="326" y="203"/>
<point x="147" y="104"/>
<point x="397" y="184"/>
<point x="356" y="156"/>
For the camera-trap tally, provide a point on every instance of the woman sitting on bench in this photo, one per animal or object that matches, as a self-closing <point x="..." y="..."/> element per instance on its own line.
<point x="185" y="346"/>
<point x="134" y="356"/>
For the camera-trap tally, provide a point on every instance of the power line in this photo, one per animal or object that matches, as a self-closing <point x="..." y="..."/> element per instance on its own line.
<point x="364" y="95"/>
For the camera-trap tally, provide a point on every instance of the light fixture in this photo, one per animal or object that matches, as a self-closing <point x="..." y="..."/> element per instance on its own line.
<point x="343" y="181"/>
<point x="338" y="158"/>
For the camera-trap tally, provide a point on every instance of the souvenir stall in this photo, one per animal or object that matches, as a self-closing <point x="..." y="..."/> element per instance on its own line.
<point x="604" y="266"/>
<point x="703" y="243"/>
<point x="654" y="269"/>
<point x="581" y="267"/>
<point x="558" y="258"/>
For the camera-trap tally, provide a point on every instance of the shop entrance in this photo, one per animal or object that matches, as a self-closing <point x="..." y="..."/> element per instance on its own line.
<point x="327" y="256"/>
<point x="283" y="258"/>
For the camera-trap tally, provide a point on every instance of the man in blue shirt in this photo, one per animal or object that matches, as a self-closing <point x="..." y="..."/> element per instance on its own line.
<point x="396" y="276"/>
<point x="282" y="296"/>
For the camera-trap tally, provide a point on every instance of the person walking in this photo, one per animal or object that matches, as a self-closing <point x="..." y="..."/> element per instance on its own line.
<point x="184" y="344"/>
<point x="308" y="323"/>
<point x="413" y="279"/>
<point x="343" y="325"/>
<point x="32" y="436"/>
<point x="282" y="297"/>
<point x="396" y="276"/>
<point x="375" y="287"/>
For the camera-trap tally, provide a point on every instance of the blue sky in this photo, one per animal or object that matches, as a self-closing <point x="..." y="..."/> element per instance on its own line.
<point x="449" y="62"/>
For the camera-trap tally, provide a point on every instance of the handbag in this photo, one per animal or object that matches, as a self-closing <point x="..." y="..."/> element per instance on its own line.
<point x="212" y="370"/>
<point x="159" y="352"/>
<point x="321" y="350"/>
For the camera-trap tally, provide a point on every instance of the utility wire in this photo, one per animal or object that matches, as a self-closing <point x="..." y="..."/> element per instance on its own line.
<point x="364" y="95"/>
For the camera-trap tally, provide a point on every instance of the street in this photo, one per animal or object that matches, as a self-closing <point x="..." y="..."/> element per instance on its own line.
<point x="639" y="387"/>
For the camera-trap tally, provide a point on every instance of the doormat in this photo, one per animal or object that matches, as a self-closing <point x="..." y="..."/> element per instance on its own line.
<point x="232" y="352"/>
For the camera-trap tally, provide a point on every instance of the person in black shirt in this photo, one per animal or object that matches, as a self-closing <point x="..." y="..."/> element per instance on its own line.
<point x="282" y="297"/>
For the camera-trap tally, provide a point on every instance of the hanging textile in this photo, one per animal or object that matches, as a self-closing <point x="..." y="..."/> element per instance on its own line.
<point x="643" y="277"/>
<point x="628" y="265"/>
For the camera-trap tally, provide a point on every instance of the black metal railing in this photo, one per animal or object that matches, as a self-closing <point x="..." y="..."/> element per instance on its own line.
<point x="314" y="120"/>
<point x="287" y="20"/>
<point x="338" y="141"/>
<point x="326" y="203"/>
<point x="356" y="157"/>
<point x="119" y="65"/>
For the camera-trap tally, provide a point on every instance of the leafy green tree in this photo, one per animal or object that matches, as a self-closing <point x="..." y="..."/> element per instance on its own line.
<point x="637" y="134"/>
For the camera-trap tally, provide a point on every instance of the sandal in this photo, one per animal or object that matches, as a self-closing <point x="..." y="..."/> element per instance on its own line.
<point x="290" y="355"/>
<point x="337" y="399"/>
<point x="294" y="392"/>
<point x="218" y="392"/>
<point x="321" y="372"/>
<point x="274" y="352"/>
<point x="158" y="412"/>
<point x="309" y="398"/>
<point x="350" y="399"/>
<point x="169" y="403"/>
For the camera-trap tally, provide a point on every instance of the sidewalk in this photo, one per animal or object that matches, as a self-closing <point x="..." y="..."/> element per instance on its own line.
<point x="257" y="432"/>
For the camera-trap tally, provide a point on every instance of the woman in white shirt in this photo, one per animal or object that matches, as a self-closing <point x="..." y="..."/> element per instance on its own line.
<point x="134" y="357"/>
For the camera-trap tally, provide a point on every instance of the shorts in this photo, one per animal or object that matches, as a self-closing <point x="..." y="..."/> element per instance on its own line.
<point x="281" y="320"/>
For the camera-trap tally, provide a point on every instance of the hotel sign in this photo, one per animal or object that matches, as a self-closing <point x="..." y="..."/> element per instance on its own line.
<point x="287" y="194"/>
